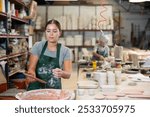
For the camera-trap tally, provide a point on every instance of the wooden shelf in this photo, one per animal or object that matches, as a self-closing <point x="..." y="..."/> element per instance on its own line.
<point x="3" y="58"/>
<point x="88" y="30"/>
<point x="3" y="36"/>
<point x="3" y="14"/>
<point x="12" y="55"/>
<point x="14" y="72"/>
<point x="19" y="58"/>
<point x="79" y="30"/>
<point x="82" y="46"/>
<point x="19" y="19"/>
<point x="14" y="18"/>
<point x="16" y="54"/>
<point x="19" y="3"/>
<point x="79" y="4"/>
<point x="12" y="36"/>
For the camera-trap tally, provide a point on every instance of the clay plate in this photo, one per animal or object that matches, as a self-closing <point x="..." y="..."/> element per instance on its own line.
<point x="45" y="94"/>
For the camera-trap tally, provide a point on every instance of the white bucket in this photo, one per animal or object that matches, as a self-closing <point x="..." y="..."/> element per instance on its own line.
<point x="100" y="77"/>
<point x="111" y="78"/>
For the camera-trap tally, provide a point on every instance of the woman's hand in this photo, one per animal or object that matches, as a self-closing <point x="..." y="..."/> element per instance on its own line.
<point x="58" y="73"/>
<point x="101" y="57"/>
<point x="30" y="80"/>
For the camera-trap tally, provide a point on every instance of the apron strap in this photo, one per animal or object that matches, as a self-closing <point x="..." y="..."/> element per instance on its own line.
<point x="58" y="50"/>
<point x="44" y="48"/>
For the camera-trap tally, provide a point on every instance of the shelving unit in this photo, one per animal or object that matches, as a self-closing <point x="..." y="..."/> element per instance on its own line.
<point x="12" y="36"/>
<point x="14" y="41"/>
<point x="80" y="20"/>
<point x="80" y="31"/>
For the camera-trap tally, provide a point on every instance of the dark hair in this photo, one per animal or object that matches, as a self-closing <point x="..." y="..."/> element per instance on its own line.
<point x="53" y="21"/>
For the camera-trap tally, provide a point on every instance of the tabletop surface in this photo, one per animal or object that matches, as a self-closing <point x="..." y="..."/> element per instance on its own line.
<point x="129" y="88"/>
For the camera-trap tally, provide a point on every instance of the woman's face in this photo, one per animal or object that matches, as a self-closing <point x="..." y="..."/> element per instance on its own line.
<point x="52" y="33"/>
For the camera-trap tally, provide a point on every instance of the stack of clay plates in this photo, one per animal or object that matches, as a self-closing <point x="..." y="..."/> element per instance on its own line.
<point x="108" y="88"/>
<point x="136" y="93"/>
<point x="87" y="84"/>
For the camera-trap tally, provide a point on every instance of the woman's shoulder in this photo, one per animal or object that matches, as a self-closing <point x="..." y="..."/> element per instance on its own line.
<point x="64" y="47"/>
<point x="107" y="48"/>
<point x="40" y="43"/>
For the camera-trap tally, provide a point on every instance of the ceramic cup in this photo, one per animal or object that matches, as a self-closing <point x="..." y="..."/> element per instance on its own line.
<point x="118" y="76"/>
<point x="81" y="92"/>
<point x="91" y="92"/>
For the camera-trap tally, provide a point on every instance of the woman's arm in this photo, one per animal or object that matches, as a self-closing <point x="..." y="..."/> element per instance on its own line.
<point x="66" y="72"/>
<point x="98" y="55"/>
<point x="31" y="69"/>
<point x="32" y="63"/>
<point x="67" y="69"/>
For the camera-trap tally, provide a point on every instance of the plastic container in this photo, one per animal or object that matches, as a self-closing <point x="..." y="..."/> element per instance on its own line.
<point x="94" y="65"/>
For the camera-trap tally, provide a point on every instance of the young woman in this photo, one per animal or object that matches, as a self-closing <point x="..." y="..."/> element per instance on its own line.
<point x="49" y="60"/>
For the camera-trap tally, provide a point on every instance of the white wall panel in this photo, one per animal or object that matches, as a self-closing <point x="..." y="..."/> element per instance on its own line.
<point x="71" y="10"/>
<point x="86" y="15"/>
<point x="41" y="11"/>
<point x="55" y="11"/>
<point x="105" y="16"/>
